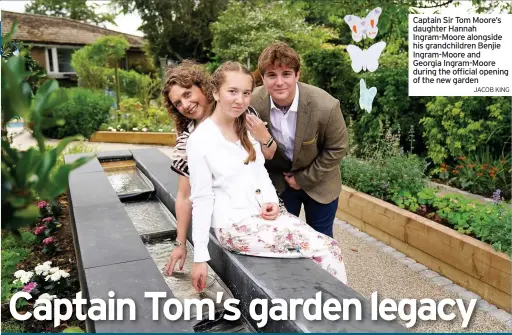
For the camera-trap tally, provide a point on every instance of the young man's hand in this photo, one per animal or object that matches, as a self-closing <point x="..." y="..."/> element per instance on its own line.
<point x="290" y="179"/>
<point x="270" y="211"/>
<point x="198" y="276"/>
<point x="179" y="253"/>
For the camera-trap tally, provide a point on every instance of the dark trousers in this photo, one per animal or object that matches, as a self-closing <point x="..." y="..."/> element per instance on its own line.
<point x="319" y="216"/>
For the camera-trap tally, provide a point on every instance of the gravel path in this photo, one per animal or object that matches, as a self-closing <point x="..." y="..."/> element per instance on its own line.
<point x="371" y="269"/>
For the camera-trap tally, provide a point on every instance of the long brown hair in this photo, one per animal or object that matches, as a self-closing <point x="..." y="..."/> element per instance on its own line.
<point x="218" y="78"/>
<point x="186" y="74"/>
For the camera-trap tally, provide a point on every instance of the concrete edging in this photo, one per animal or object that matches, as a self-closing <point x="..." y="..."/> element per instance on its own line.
<point x="466" y="261"/>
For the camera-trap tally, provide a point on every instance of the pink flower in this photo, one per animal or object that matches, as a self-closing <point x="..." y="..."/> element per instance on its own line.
<point x="39" y="230"/>
<point x="42" y="204"/>
<point x="48" y="219"/>
<point x="29" y="287"/>
<point x="48" y="240"/>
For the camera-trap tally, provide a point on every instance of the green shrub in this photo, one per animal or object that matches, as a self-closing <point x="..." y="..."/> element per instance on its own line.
<point x="459" y="126"/>
<point x="84" y="112"/>
<point x="9" y="241"/>
<point x="132" y="115"/>
<point x="384" y="178"/>
<point x="12" y="327"/>
<point x="488" y="222"/>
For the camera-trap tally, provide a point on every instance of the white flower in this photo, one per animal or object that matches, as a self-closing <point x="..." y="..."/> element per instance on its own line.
<point x="44" y="296"/>
<point x="118" y="126"/>
<point x="135" y="129"/>
<point x="144" y="129"/>
<point x="114" y="130"/>
<point x="16" y="52"/>
<point x="43" y="269"/>
<point x="55" y="276"/>
<point x="23" y="276"/>
<point x="110" y="128"/>
<point x="122" y="129"/>
<point x="160" y="130"/>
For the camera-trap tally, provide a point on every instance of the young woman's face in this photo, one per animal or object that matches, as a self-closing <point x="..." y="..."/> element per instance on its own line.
<point x="234" y="95"/>
<point x="190" y="102"/>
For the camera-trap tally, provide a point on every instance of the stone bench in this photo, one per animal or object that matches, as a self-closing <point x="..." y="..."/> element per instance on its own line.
<point x="110" y="253"/>
<point x="251" y="278"/>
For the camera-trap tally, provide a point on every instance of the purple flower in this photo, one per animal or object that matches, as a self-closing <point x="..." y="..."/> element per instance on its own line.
<point x="29" y="287"/>
<point x="42" y="204"/>
<point x="48" y="240"/>
<point x="496" y="196"/>
<point x="48" y="219"/>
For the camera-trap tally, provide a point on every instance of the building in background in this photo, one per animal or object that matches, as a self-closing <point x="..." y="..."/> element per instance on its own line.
<point x="54" y="39"/>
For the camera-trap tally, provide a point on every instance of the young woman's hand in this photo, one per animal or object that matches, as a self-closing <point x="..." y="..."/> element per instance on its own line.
<point x="179" y="253"/>
<point x="198" y="276"/>
<point x="270" y="211"/>
<point x="257" y="128"/>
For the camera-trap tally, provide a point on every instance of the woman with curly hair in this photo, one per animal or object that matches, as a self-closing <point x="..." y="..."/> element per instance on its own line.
<point x="187" y="95"/>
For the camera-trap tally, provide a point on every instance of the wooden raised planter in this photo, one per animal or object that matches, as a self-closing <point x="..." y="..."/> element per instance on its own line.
<point x="134" y="137"/>
<point x="466" y="261"/>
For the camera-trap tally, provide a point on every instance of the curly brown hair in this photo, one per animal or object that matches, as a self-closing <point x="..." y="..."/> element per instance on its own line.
<point x="186" y="74"/>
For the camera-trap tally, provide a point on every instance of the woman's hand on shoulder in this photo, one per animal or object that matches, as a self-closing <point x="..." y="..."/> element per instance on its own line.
<point x="270" y="211"/>
<point x="257" y="128"/>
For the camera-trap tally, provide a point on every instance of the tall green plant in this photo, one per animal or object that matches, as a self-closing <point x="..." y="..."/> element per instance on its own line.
<point x="27" y="174"/>
<point x="109" y="50"/>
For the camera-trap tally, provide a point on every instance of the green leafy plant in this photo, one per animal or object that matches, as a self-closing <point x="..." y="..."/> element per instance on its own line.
<point x="480" y="173"/>
<point x="460" y="126"/>
<point x="26" y="174"/>
<point x="84" y="112"/>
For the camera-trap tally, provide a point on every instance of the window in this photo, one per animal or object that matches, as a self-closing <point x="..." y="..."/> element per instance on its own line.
<point x="58" y="60"/>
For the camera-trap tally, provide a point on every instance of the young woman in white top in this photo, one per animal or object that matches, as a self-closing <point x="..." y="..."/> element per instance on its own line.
<point x="232" y="192"/>
<point x="187" y="94"/>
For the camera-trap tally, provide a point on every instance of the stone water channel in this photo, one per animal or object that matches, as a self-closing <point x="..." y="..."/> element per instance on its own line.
<point x="157" y="228"/>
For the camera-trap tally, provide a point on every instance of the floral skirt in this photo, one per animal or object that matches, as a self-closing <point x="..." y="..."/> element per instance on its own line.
<point x="285" y="237"/>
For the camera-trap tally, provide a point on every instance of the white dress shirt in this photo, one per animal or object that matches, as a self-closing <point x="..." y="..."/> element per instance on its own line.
<point x="285" y="124"/>
<point x="224" y="190"/>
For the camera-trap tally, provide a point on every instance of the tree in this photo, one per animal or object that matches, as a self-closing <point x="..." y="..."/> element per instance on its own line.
<point x="243" y="30"/>
<point x="108" y="51"/>
<point x="176" y="29"/>
<point x="73" y="9"/>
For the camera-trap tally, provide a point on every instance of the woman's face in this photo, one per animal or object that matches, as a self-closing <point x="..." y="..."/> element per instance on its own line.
<point x="190" y="102"/>
<point x="234" y="95"/>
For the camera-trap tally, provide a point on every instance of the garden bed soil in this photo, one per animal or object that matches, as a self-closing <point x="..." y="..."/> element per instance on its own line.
<point x="65" y="259"/>
<point x="430" y="240"/>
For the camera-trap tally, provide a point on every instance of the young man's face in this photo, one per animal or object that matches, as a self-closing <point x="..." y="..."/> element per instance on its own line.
<point x="280" y="83"/>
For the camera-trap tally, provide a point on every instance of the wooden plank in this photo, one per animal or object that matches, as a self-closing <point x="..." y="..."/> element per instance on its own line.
<point x="118" y="164"/>
<point x="134" y="137"/>
<point x="470" y="263"/>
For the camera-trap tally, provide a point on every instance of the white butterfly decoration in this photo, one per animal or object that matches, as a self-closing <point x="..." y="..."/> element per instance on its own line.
<point x="366" y="96"/>
<point x="367" y="59"/>
<point x="366" y="27"/>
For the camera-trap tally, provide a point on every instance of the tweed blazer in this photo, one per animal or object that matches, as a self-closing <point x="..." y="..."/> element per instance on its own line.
<point x="321" y="141"/>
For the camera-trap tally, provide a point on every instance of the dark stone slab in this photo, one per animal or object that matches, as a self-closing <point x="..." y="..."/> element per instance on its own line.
<point x="131" y="280"/>
<point x="115" y="155"/>
<point x="106" y="235"/>
<point x="94" y="188"/>
<point x="157" y="167"/>
<point x="91" y="166"/>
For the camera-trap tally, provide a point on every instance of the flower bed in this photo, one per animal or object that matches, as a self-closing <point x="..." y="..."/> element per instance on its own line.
<point x="457" y="237"/>
<point x="42" y="263"/>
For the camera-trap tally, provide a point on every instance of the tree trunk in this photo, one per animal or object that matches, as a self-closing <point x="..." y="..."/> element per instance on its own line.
<point x="118" y="88"/>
